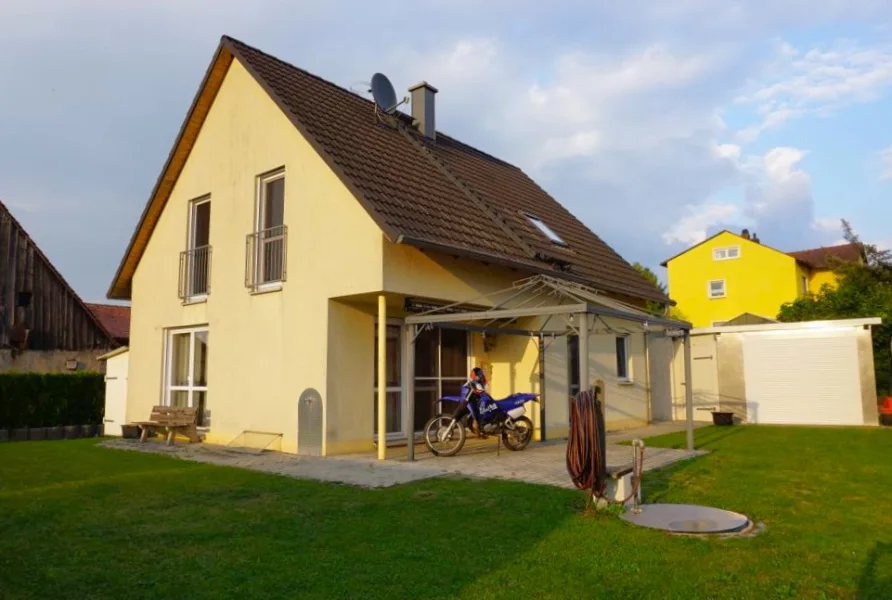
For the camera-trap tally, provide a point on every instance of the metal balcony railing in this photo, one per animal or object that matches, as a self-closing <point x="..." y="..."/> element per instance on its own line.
<point x="195" y="273"/>
<point x="265" y="257"/>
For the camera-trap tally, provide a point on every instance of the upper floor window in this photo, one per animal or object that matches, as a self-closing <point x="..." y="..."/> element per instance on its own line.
<point x="266" y="247"/>
<point x="728" y="253"/>
<point x="717" y="288"/>
<point x="545" y="229"/>
<point x="804" y="285"/>
<point x="195" y="261"/>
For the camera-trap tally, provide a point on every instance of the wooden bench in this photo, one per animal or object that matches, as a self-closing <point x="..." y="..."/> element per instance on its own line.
<point x="174" y="420"/>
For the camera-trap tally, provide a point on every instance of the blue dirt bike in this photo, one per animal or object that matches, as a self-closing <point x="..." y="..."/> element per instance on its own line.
<point x="444" y="434"/>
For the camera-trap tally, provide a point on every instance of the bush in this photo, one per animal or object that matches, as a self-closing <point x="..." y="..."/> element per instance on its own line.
<point x="51" y="399"/>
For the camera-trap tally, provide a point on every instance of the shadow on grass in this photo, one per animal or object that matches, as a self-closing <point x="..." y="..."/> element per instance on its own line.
<point x="876" y="577"/>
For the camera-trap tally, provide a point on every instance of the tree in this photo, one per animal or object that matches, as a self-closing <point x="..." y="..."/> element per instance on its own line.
<point x="864" y="290"/>
<point x="657" y="308"/>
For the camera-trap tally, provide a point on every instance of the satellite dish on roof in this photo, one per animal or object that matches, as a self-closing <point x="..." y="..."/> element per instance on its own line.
<point x="384" y="94"/>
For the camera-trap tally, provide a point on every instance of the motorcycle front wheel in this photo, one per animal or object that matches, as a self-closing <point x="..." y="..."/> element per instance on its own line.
<point x="519" y="437"/>
<point x="440" y="440"/>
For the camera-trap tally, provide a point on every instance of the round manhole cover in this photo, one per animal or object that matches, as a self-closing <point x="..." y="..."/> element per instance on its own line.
<point x="687" y="518"/>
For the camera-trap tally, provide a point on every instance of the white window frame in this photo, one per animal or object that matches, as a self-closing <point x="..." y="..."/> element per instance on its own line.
<point x="724" y="253"/>
<point x="167" y="388"/>
<point x="401" y="434"/>
<point x="545" y="229"/>
<point x="627" y="378"/>
<point x="804" y="281"/>
<point x="709" y="293"/>
<point x="190" y="246"/>
<point x="260" y="196"/>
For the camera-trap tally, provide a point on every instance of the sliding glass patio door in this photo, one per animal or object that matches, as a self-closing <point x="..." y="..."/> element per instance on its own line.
<point x="441" y="367"/>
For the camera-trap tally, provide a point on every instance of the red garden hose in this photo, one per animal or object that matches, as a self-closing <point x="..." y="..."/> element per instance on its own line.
<point x="586" y="453"/>
<point x="586" y="449"/>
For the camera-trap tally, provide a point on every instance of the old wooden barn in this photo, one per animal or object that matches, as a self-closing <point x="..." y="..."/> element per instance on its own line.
<point x="44" y="324"/>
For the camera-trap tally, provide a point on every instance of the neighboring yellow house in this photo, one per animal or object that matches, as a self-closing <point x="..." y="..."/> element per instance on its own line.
<point x="291" y="217"/>
<point x="730" y="277"/>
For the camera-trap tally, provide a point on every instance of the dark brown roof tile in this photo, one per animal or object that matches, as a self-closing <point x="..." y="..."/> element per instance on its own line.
<point x="415" y="196"/>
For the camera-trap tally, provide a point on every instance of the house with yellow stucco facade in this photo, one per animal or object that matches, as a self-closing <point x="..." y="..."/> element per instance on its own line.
<point x="296" y="229"/>
<point x="735" y="279"/>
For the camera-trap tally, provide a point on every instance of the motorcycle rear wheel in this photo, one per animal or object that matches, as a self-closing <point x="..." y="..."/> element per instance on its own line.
<point x="523" y="433"/>
<point x="437" y="426"/>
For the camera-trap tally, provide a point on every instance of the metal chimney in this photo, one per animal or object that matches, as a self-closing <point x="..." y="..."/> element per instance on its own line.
<point x="423" y="110"/>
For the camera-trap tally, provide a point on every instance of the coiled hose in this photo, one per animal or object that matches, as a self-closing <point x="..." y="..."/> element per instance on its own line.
<point x="586" y="449"/>
<point x="586" y="452"/>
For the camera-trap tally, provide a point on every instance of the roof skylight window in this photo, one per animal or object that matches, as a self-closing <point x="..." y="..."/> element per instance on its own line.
<point x="545" y="229"/>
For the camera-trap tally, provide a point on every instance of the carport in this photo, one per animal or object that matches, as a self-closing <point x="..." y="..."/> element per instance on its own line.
<point x="562" y="308"/>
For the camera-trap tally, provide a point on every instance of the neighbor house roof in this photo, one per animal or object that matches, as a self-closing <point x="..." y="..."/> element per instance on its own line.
<point x="115" y="319"/>
<point x="818" y="258"/>
<point x="438" y="195"/>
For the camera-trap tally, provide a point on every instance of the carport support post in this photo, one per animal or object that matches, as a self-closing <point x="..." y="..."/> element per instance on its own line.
<point x="584" y="382"/>
<point x="409" y="386"/>
<point x="382" y="377"/>
<point x="688" y="389"/>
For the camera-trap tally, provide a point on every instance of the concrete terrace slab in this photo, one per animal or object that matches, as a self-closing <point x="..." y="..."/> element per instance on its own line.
<point x="540" y="463"/>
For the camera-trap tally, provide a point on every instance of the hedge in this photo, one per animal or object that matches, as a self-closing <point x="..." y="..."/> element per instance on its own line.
<point x="51" y="399"/>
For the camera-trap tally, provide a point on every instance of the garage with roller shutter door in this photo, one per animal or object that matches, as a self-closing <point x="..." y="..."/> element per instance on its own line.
<point x="810" y="373"/>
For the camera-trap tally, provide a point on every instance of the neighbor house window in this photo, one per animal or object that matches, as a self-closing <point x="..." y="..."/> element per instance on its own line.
<point x="622" y="358"/>
<point x="726" y="253"/>
<point x="267" y="244"/>
<point x="717" y="288"/>
<point x="545" y="229"/>
<point x="804" y="285"/>
<point x="195" y="261"/>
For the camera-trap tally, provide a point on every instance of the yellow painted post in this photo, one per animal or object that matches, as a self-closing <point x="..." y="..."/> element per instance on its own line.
<point x="382" y="377"/>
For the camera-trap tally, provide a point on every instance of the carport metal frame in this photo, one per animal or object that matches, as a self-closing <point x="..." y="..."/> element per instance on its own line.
<point x="588" y="304"/>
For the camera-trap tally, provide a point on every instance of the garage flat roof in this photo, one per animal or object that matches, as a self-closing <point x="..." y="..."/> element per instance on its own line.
<point x="797" y="326"/>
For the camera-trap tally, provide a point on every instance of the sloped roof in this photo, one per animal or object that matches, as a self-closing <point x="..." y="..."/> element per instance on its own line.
<point x="442" y="195"/>
<point x="115" y="319"/>
<point x="818" y="258"/>
<point x="5" y="213"/>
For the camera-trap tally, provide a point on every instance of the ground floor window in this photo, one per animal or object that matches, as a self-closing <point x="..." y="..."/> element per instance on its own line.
<point x="622" y="358"/>
<point x="441" y="367"/>
<point x="186" y="380"/>
<point x="573" y="364"/>
<point x="393" y="385"/>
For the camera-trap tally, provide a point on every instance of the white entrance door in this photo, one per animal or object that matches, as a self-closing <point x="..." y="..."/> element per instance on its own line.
<point x="186" y="373"/>
<point x="704" y="372"/>
<point x="115" y="394"/>
<point x="802" y="378"/>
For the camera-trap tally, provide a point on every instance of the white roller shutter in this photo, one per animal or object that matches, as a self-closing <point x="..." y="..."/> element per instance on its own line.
<point x="808" y="379"/>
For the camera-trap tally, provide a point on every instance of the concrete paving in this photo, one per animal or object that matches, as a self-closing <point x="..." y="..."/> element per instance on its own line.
<point x="541" y="463"/>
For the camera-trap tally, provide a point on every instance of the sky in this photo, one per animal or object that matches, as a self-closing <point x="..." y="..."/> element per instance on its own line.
<point x="656" y="123"/>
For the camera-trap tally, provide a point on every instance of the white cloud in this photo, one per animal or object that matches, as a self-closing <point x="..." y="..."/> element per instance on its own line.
<point x="694" y="226"/>
<point x="827" y="224"/>
<point x="816" y="82"/>
<point x="885" y="159"/>
<point x="625" y="128"/>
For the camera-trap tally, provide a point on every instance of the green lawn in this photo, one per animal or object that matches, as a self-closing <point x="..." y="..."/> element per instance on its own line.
<point x="77" y="521"/>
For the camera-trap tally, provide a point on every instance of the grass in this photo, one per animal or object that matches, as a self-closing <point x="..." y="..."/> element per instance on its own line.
<point x="85" y="522"/>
